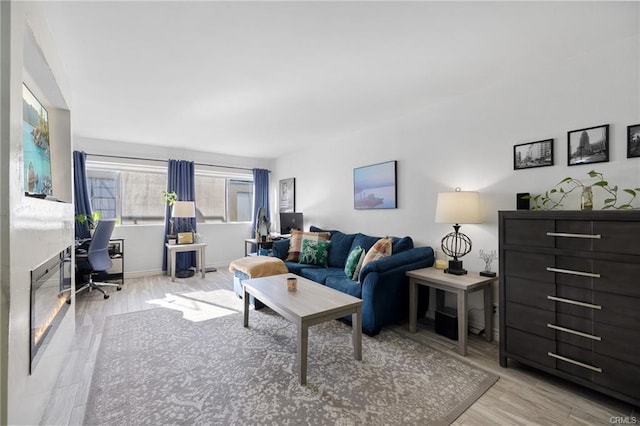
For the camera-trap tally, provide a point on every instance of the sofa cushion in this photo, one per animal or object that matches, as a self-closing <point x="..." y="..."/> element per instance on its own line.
<point x="401" y="244"/>
<point x="296" y="268"/>
<point x="382" y="248"/>
<point x="364" y="241"/>
<point x="344" y="285"/>
<point x="280" y="248"/>
<point x="314" y="252"/>
<point x="295" y="243"/>
<point x="340" y="248"/>
<point x="352" y="261"/>
<point x="320" y="275"/>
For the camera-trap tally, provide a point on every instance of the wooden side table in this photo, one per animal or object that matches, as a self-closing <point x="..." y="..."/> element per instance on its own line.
<point x="249" y="241"/>
<point x="172" y="249"/>
<point x="460" y="285"/>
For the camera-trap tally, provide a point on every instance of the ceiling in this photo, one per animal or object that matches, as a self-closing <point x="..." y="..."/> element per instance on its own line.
<point x="262" y="79"/>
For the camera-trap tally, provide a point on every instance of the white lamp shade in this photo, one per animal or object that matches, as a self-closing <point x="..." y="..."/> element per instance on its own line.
<point x="184" y="209"/>
<point x="458" y="207"/>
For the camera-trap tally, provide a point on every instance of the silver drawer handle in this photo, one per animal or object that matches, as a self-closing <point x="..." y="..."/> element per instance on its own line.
<point x="570" y="272"/>
<point x="573" y="361"/>
<point x="577" y="333"/>
<point x="566" y="235"/>
<point x="574" y="302"/>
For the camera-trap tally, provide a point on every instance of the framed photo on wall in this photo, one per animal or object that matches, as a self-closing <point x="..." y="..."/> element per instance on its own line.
<point x="533" y="154"/>
<point x="374" y="187"/>
<point x="287" y="195"/>
<point x="633" y="141"/>
<point x="587" y="146"/>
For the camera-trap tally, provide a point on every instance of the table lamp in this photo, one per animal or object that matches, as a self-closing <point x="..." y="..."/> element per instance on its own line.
<point x="457" y="207"/>
<point x="183" y="209"/>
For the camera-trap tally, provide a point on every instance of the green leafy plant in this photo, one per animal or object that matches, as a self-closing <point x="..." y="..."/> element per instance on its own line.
<point x="92" y="220"/>
<point x="554" y="197"/>
<point x="170" y="197"/>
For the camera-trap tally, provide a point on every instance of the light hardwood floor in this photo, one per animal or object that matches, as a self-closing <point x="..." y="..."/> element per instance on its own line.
<point x="521" y="396"/>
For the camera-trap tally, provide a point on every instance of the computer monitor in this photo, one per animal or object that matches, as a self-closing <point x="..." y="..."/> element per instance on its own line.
<point x="289" y="221"/>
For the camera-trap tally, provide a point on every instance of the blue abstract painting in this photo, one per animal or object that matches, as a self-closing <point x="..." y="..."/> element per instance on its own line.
<point x="374" y="187"/>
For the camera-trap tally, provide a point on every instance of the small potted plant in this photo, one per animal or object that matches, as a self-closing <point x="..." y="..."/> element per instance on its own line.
<point x="567" y="185"/>
<point x="91" y="220"/>
<point x="170" y="198"/>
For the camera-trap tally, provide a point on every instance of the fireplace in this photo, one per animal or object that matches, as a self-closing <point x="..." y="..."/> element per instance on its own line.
<point x="50" y="298"/>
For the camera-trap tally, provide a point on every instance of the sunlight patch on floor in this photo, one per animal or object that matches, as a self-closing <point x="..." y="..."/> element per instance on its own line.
<point x="199" y="306"/>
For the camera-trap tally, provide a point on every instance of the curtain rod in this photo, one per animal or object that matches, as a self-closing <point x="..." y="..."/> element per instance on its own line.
<point x="165" y="161"/>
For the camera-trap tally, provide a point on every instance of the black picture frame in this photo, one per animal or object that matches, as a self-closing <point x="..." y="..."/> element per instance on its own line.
<point x="587" y="146"/>
<point x="374" y="186"/>
<point x="533" y="154"/>
<point x="633" y="141"/>
<point x="287" y="195"/>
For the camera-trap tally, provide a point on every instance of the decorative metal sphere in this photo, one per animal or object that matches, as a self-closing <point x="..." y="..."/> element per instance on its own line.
<point x="456" y="244"/>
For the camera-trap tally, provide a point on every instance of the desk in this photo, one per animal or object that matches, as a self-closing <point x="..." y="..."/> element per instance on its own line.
<point x="259" y="244"/>
<point x="460" y="285"/>
<point x="172" y="249"/>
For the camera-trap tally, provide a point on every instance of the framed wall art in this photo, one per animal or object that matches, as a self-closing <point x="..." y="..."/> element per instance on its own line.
<point x="287" y="195"/>
<point x="36" y="150"/>
<point x="533" y="154"/>
<point x="587" y="146"/>
<point x="633" y="141"/>
<point x="374" y="187"/>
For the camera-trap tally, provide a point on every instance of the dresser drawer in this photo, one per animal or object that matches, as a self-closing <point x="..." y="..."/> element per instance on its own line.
<point x="531" y="347"/>
<point x="529" y="319"/>
<point x="529" y="292"/>
<point x="578" y="362"/>
<point x="529" y="265"/>
<point x="598" y="275"/>
<point x="617" y="237"/>
<point x="528" y="232"/>
<point x="618" y="342"/>
<point x="618" y="310"/>
<point x="597" y="236"/>
<point x="618" y="376"/>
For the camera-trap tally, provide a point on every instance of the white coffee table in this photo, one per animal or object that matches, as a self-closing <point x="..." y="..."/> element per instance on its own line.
<point x="310" y="304"/>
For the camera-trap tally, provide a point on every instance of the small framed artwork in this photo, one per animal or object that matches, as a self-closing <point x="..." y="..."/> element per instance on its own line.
<point x="287" y="197"/>
<point x="633" y="141"/>
<point x="587" y="146"/>
<point x="533" y="154"/>
<point x="374" y="187"/>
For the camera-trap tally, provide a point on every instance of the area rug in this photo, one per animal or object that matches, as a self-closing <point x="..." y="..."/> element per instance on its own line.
<point x="157" y="367"/>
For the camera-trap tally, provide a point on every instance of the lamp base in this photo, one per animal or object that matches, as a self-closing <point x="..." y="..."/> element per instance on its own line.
<point x="455" y="268"/>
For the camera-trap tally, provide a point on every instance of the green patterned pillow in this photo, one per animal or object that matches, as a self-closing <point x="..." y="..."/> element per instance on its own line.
<point x="314" y="252"/>
<point x="352" y="261"/>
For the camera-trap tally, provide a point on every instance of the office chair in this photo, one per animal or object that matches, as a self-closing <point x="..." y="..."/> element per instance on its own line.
<point x="97" y="259"/>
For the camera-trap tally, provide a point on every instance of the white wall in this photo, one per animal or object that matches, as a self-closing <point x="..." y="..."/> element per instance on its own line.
<point x="144" y="243"/>
<point x="33" y="230"/>
<point x="468" y="142"/>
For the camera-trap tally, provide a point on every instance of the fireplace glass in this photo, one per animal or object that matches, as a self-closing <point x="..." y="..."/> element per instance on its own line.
<point x="50" y="299"/>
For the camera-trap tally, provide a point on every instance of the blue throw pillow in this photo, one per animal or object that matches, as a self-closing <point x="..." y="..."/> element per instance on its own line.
<point x="401" y="244"/>
<point x="340" y="248"/>
<point x="280" y="248"/>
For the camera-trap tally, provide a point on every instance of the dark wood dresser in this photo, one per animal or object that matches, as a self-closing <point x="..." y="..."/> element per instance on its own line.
<point x="570" y="296"/>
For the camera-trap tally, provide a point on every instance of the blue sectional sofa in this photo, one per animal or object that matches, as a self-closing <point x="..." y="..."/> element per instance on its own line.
<point x="383" y="286"/>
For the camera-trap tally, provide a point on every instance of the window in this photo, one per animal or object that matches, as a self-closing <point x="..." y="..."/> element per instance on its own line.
<point x="224" y="199"/>
<point x="133" y="194"/>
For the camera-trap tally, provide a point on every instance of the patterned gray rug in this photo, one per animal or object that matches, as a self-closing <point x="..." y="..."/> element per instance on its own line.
<point x="191" y="361"/>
